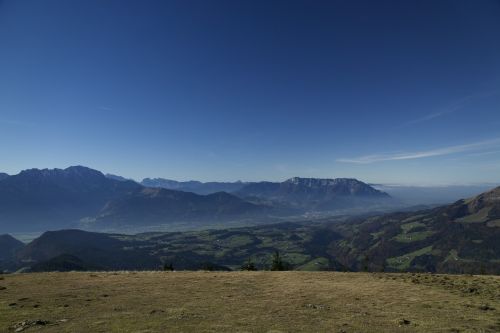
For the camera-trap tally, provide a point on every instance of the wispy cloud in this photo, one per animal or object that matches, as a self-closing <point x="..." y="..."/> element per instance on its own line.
<point x="445" y="111"/>
<point x="484" y="153"/>
<point x="476" y="146"/>
<point x="452" y="107"/>
<point x="105" y="108"/>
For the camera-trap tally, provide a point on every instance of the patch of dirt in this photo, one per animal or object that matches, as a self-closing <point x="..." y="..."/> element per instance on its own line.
<point x="25" y="324"/>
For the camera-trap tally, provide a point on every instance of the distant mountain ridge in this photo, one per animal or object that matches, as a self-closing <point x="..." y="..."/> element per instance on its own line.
<point x="193" y="185"/>
<point x="119" y="178"/>
<point x="316" y="194"/>
<point x="80" y="197"/>
<point x="47" y="199"/>
<point x="297" y="195"/>
<point x="3" y="176"/>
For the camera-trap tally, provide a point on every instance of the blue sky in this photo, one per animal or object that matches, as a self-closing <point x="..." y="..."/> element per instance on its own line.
<point x="384" y="91"/>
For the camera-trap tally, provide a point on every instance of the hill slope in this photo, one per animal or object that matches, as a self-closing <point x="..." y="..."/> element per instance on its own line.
<point x="156" y="206"/>
<point x="462" y="237"/>
<point x="8" y="246"/>
<point x="95" y="249"/>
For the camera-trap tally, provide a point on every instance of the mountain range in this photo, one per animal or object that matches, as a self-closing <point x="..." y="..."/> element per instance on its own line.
<point x="305" y="193"/>
<point x="406" y="195"/>
<point x="317" y="194"/>
<point x="193" y="185"/>
<point x="80" y="197"/>
<point x="49" y="199"/>
<point x="457" y="238"/>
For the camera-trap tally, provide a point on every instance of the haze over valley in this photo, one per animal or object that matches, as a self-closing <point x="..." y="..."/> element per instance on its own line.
<point x="336" y="224"/>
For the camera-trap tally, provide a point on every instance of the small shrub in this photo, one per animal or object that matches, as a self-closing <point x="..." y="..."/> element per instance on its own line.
<point x="278" y="264"/>
<point x="168" y="267"/>
<point x="248" y="266"/>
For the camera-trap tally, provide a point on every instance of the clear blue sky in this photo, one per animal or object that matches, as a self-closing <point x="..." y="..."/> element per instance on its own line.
<point x="384" y="91"/>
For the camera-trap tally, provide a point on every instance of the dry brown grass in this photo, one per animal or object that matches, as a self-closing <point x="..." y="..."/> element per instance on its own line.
<point x="250" y="302"/>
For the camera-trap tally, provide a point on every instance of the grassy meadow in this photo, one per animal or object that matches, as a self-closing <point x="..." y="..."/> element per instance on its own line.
<point x="248" y="302"/>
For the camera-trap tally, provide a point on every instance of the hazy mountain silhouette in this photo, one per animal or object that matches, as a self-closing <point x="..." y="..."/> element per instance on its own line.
<point x="119" y="178"/>
<point x="193" y="185"/>
<point x="38" y="200"/>
<point x="156" y="206"/>
<point x="46" y="199"/>
<point x="8" y="246"/>
<point x="317" y="194"/>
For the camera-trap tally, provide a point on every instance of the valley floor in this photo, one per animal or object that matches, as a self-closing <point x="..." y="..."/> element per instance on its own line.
<point x="248" y="302"/>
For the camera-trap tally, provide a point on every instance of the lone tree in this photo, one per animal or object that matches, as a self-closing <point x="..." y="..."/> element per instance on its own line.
<point x="248" y="266"/>
<point x="168" y="267"/>
<point x="366" y="264"/>
<point x="278" y="264"/>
